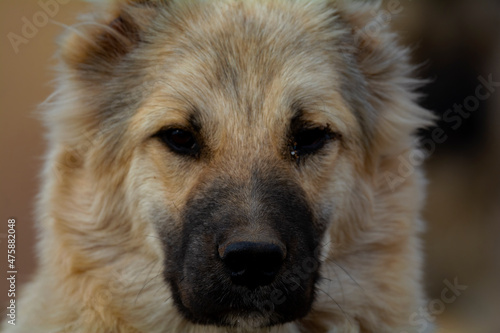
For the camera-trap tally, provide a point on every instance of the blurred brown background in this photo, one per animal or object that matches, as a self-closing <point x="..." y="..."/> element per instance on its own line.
<point x="455" y="41"/>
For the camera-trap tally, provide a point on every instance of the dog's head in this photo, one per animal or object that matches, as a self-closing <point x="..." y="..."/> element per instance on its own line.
<point x="240" y="143"/>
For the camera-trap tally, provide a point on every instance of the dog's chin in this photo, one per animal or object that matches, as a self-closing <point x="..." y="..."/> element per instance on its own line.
<point x="242" y="308"/>
<point x="246" y="320"/>
<point x="251" y="321"/>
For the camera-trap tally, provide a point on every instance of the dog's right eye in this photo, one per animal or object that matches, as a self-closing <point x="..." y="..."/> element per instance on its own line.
<point x="180" y="141"/>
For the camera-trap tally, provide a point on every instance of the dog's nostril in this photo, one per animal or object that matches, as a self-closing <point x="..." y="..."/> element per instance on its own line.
<point x="253" y="264"/>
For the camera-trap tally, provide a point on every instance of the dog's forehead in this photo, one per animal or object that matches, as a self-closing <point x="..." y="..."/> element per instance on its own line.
<point x="252" y="64"/>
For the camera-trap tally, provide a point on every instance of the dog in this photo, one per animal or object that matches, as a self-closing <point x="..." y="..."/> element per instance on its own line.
<point x="230" y="166"/>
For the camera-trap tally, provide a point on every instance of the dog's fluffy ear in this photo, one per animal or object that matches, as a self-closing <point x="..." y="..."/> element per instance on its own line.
<point x="387" y="74"/>
<point x="100" y="40"/>
<point x="90" y="53"/>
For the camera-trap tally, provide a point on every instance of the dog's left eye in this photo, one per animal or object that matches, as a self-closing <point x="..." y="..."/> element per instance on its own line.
<point x="180" y="141"/>
<point x="309" y="141"/>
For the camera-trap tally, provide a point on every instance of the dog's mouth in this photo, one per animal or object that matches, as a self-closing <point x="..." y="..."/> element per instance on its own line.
<point x="232" y="269"/>
<point x="242" y="307"/>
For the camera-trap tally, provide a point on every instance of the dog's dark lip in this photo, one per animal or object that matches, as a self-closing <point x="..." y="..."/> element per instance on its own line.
<point x="221" y="319"/>
<point x="246" y="313"/>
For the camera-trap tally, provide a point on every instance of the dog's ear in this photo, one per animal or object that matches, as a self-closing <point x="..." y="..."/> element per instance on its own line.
<point x="103" y="38"/>
<point x="386" y="72"/>
<point x="90" y="55"/>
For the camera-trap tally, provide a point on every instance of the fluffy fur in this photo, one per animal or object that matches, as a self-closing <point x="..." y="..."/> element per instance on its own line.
<point x="112" y="192"/>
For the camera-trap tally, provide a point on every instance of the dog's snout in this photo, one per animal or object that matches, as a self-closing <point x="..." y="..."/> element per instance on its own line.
<point x="252" y="264"/>
<point x="244" y="240"/>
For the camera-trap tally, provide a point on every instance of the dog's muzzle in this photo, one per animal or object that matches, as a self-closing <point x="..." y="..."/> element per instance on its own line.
<point x="245" y="255"/>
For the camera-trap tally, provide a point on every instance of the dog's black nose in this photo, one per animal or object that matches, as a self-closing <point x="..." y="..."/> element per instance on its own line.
<point x="252" y="264"/>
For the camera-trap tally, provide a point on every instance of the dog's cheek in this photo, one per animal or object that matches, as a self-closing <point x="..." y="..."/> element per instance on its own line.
<point x="149" y="211"/>
<point x="328" y="187"/>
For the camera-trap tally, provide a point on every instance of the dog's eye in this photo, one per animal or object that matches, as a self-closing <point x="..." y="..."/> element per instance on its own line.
<point x="180" y="141"/>
<point x="309" y="141"/>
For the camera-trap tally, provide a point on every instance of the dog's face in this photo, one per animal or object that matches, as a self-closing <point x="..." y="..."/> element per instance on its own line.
<point x="246" y="143"/>
<point x="244" y="137"/>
